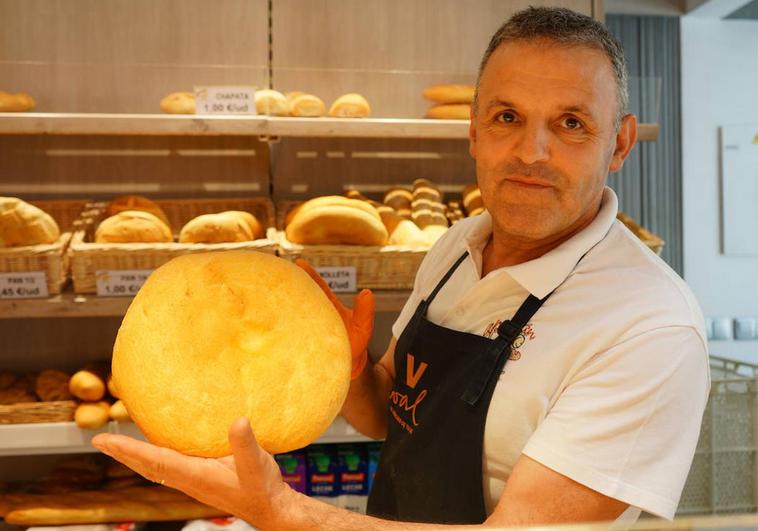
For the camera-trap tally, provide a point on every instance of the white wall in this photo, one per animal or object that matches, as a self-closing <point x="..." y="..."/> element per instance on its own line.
<point x="719" y="87"/>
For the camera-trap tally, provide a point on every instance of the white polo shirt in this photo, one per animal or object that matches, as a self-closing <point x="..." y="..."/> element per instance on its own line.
<point x="608" y="382"/>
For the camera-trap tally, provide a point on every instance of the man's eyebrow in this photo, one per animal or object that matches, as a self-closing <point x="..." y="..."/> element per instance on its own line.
<point x="499" y="103"/>
<point x="579" y="109"/>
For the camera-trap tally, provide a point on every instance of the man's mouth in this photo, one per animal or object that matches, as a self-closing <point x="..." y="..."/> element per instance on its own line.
<point x="529" y="182"/>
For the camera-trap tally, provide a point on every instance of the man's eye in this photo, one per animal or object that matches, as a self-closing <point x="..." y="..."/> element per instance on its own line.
<point x="506" y="117"/>
<point x="572" y="123"/>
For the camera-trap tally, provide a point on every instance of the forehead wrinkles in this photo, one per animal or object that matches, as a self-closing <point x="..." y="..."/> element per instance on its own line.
<point x="552" y="75"/>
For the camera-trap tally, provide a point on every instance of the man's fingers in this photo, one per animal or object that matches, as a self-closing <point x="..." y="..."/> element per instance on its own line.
<point x="248" y="456"/>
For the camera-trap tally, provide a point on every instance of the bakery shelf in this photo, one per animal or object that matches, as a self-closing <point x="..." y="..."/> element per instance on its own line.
<point x="262" y="126"/>
<point x="69" y="304"/>
<point x="129" y="124"/>
<point x="67" y="438"/>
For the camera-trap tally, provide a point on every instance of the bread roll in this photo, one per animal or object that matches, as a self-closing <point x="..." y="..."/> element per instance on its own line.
<point x="450" y="93"/>
<point x="118" y="412"/>
<point x="306" y="105"/>
<point x="223" y="227"/>
<point x="472" y="199"/>
<point x="433" y="233"/>
<point x="111" y="386"/>
<point x="7" y="379"/>
<point x="451" y="111"/>
<point x="25" y="224"/>
<point x="136" y="202"/>
<point x="212" y="337"/>
<point x="427" y="192"/>
<point x="398" y="198"/>
<point x="350" y="106"/>
<point x="132" y="226"/>
<point x="18" y="102"/>
<point x="337" y="220"/>
<point x="179" y="103"/>
<point x="52" y="386"/>
<point x="92" y="415"/>
<point x="16" y="395"/>
<point x="293" y="94"/>
<point x="271" y="102"/>
<point x="86" y="385"/>
<point x="401" y="231"/>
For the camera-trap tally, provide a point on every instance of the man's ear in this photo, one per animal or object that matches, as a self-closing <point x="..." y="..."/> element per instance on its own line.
<point x="472" y="133"/>
<point x="625" y="139"/>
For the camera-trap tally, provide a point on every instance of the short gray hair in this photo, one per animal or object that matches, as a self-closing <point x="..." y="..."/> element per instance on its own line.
<point x="564" y="27"/>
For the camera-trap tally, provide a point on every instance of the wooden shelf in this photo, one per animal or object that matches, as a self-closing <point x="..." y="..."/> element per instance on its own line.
<point x="67" y="438"/>
<point x="262" y="126"/>
<point x="71" y="305"/>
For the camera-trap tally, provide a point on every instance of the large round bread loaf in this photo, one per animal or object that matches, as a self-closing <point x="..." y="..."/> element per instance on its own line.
<point x="133" y="226"/>
<point x="229" y="226"/>
<point x="211" y="337"/>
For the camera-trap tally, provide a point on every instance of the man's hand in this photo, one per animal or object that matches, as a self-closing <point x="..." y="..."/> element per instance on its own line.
<point x="359" y="321"/>
<point x="247" y="484"/>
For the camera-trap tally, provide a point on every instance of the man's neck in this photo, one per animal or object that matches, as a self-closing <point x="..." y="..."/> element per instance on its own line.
<point x="503" y="249"/>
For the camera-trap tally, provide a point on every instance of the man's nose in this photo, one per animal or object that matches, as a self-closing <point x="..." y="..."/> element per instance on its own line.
<point x="533" y="144"/>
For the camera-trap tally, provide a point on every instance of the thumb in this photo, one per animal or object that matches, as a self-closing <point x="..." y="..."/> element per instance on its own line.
<point x="249" y="457"/>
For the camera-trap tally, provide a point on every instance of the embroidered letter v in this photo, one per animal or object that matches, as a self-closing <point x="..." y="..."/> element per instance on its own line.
<point x="412" y="375"/>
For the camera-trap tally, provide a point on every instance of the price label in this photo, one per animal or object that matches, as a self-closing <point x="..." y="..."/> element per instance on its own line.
<point x="120" y="283"/>
<point x="31" y="285"/>
<point x="339" y="279"/>
<point x="225" y="100"/>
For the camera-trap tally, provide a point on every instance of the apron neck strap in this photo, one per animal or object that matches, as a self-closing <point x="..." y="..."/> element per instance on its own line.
<point x="426" y="302"/>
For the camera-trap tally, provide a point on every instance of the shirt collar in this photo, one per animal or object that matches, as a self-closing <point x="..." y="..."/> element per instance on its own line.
<point x="542" y="275"/>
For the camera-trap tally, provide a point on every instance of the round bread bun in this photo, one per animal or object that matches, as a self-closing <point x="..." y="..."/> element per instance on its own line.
<point x="271" y="102"/>
<point x="212" y="337"/>
<point x="306" y="105"/>
<point x="24" y="224"/>
<point x="136" y="202"/>
<point x="336" y="220"/>
<point x="450" y="93"/>
<point x="18" y="102"/>
<point x="229" y="226"/>
<point x="451" y="111"/>
<point x="179" y="103"/>
<point x="133" y="226"/>
<point x="350" y="106"/>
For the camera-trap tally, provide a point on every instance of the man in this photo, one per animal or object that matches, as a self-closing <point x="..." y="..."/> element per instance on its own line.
<point x="596" y="414"/>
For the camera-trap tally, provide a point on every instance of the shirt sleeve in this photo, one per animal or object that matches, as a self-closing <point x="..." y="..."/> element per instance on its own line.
<point x="628" y="422"/>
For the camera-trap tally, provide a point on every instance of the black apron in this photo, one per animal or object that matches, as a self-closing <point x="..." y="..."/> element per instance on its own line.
<point x="430" y="468"/>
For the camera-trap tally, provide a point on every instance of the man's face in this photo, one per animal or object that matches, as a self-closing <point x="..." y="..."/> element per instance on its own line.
<point x="544" y="136"/>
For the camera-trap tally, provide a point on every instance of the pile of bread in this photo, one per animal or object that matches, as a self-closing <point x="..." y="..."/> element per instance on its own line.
<point x="18" y="102"/>
<point x="24" y="224"/>
<point x="414" y="216"/>
<point x="94" y="489"/>
<point x="136" y="219"/>
<point x="273" y="103"/>
<point x="450" y="102"/>
<point x="92" y="387"/>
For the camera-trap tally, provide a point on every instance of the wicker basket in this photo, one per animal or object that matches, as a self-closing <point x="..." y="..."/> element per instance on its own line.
<point x="87" y="257"/>
<point x="50" y="258"/>
<point x="36" y="412"/>
<point x="386" y="267"/>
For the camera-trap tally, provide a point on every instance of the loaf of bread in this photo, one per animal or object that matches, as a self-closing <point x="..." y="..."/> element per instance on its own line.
<point x="450" y="93"/>
<point x="25" y="224"/>
<point x="211" y="337"/>
<point x="52" y="385"/>
<point x="92" y="415"/>
<point x="229" y="226"/>
<point x="18" y="102"/>
<point x="350" y="106"/>
<point x="132" y="226"/>
<point x="136" y="202"/>
<point x="179" y="103"/>
<point x="118" y="412"/>
<point x="450" y="111"/>
<point x="398" y="198"/>
<point x="87" y="385"/>
<point x="401" y="231"/>
<point x="271" y="102"/>
<point x="306" y="105"/>
<point x="337" y="220"/>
